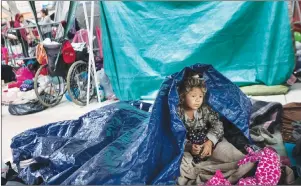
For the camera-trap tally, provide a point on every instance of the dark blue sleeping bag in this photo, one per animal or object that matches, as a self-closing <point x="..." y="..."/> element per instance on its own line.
<point x="122" y="143"/>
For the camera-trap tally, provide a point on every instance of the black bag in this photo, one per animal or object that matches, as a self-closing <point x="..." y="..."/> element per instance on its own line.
<point x="82" y="55"/>
<point x="7" y="74"/>
<point x="31" y="107"/>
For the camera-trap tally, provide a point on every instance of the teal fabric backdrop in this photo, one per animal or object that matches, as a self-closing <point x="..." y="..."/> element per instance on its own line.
<point x="143" y="42"/>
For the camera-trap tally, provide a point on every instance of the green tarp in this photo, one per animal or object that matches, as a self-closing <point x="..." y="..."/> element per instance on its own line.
<point x="143" y="42"/>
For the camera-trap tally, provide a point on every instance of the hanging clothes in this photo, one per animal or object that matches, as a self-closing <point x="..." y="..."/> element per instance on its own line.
<point x="21" y="34"/>
<point x="99" y="41"/>
<point x="81" y="36"/>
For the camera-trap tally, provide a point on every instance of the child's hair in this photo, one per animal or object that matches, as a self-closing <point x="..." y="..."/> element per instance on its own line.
<point x="188" y="84"/>
<point x="45" y="11"/>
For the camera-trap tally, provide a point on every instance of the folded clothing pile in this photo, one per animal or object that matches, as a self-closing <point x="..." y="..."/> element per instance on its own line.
<point x="27" y="85"/>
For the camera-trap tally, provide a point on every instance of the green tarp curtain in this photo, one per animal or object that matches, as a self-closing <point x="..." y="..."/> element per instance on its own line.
<point x="34" y="11"/>
<point x="143" y="42"/>
<point x="70" y="17"/>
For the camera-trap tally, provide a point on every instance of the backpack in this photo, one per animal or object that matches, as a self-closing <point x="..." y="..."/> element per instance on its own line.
<point x="68" y="53"/>
<point x="41" y="54"/>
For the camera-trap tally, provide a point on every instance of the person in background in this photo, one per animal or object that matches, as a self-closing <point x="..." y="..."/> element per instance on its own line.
<point x="21" y="33"/>
<point x="45" y="19"/>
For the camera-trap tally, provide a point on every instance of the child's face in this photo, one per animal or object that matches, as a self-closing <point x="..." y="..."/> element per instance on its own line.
<point x="194" y="98"/>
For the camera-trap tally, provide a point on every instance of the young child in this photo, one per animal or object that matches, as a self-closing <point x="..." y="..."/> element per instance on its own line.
<point x="204" y="129"/>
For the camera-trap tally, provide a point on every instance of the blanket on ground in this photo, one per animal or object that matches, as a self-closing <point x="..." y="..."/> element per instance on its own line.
<point x="265" y="119"/>
<point x="225" y="157"/>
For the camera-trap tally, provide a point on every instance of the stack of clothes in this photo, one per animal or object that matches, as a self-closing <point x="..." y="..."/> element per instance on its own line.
<point x="27" y="85"/>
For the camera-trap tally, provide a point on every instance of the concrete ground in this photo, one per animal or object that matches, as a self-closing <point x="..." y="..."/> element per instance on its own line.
<point x="13" y="125"/>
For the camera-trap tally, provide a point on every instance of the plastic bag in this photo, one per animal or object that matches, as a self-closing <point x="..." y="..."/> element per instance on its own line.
<point x="105" y="83"/>
<point x="25" y="108"/>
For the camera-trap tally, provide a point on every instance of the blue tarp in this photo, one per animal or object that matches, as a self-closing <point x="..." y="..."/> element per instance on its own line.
<point x="121" y="144"/>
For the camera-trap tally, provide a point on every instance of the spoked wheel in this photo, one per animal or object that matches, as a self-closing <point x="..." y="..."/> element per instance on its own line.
<point x="49" y="89"/>
<point x="77" y="81"/>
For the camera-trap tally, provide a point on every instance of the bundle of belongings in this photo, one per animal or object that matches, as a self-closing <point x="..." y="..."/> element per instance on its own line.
<point x="140" y="143"/>
<point x="20" y="95"/>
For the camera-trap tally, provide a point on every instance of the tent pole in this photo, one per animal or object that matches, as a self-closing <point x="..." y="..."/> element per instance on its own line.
<point x="91" y="62"/>
<point x="89" y="65"/>
<point x="91" y="51"/>
<point x="299" y="11"/>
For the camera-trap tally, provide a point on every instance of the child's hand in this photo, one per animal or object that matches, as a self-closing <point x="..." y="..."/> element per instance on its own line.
<point x="196" y="149"/>
<point x="207" y="151"/>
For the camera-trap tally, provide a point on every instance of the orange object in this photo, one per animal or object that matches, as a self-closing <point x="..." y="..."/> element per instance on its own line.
<point x="41" y="54"/>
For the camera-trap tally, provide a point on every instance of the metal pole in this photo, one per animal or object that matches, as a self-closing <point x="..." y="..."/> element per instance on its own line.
<point x="35" y="17"/>
<point x="299" y="11"/>
<point x="293" y="5"/>
<point x="32" y="26"/>
<point x="91" y="50"/>
<point x="89" y="65"/>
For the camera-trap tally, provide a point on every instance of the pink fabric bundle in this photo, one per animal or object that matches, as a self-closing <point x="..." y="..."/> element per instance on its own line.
<point x="268" y="170"/>
<point x="81" y="36"/>
<point x="24" y="74"/>
<point x="21" y="75"/>
<point x="218" y="179"/>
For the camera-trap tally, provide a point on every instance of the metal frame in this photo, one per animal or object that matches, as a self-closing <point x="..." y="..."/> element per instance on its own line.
<point x="13" y="59"/>
<point x="91" y="54"/>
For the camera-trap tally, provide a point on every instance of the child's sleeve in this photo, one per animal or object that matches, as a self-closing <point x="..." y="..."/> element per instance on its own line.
<point x="188" y="145"/>
<point x="216" y="132"/>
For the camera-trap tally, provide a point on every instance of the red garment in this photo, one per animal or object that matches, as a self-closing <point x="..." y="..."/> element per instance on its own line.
<point x="17" y="24"/>
<point x="4" y="53"/>
<point x="68" y="52"/>
<point x="99" y="41"/>
<point x="15" y="84"/>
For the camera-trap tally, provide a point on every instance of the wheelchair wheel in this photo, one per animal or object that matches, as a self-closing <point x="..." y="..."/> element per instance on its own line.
<point x="77" y="81"/>
<point x="49" y="89"/>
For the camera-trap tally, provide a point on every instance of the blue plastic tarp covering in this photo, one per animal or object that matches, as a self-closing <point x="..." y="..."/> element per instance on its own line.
<point x="143" y="42"/>
<point x="123" y="143"/>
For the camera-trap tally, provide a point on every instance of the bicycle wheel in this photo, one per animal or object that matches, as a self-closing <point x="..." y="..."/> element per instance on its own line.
<point x="49" y="90"/>
<point x="77" y="81"/>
